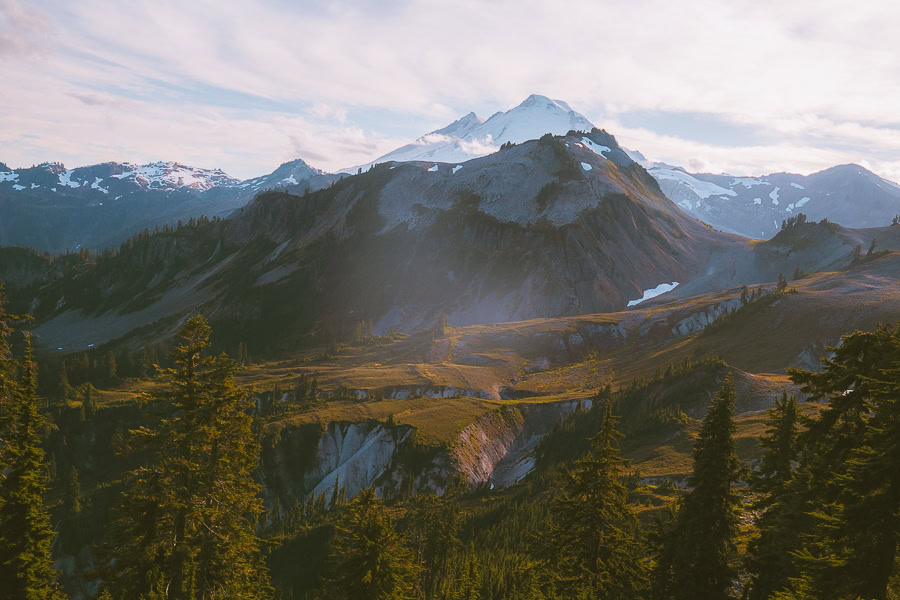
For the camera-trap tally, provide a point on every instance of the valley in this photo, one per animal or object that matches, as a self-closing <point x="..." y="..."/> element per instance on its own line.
<point x="453" y="322"/>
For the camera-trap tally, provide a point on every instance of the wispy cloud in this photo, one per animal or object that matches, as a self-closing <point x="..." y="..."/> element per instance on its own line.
<point x="244" y="86"/>
<point x="24" y="32"/>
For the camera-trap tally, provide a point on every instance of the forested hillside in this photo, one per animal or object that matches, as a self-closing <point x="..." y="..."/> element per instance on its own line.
<point x="167" y="491"/>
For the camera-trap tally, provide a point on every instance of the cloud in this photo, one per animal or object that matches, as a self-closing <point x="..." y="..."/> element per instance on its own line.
<point x="24" y="32"/>
<point x="342" y="81"/>
<point x="477" y="147"/>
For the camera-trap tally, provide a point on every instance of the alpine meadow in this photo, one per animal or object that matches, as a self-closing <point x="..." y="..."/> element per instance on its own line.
<point x="639" y="344"/>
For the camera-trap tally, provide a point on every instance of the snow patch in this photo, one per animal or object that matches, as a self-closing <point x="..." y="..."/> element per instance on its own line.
<point x="586" y="166"/>
<point x="704" y="189"/>
<point x="455" y="169"/>
<point x="596" y="148"/>
<point x="290" y="180"/>
<point x="774" y="196"/>
<point x="433" y="169"/>
<point x="802" y="201"/>
<point x="65" y="178"/>
<point x="96" y="185"/>
<point x="8" y="176"/>
<point x="748" y="182"/>
<point x="757" y="201"/>
<point x="35" y="186"/>
<point x="797" y="185"/>
<point x="18" y="187"/>
<point x="654" y="292"/>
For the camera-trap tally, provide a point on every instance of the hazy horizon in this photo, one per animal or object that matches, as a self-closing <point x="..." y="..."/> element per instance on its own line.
<point x="713" y="88"/>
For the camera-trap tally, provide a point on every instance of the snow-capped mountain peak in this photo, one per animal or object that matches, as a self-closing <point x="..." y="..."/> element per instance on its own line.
<point x="461" y="127"/>
<point x="470" y="136"/>
<point x="173" y="175"/>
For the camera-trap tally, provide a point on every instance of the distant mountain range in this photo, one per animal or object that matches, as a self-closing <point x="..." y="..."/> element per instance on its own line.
<point x="52" y="208"/>
<point x="562" y="225"/>
<point x="753" y="207"/>
<point x="756" y="206"/>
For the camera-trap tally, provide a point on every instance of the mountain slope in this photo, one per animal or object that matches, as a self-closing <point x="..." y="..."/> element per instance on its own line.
<point x="755" y="206"/>
<point x="556" y="226"/>
<point x="552" y="227"/>
<point x="53" y="208"/>
<point x="471" y="136"/>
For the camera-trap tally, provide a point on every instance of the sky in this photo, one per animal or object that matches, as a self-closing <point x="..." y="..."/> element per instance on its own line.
<point x="743" y="87"/>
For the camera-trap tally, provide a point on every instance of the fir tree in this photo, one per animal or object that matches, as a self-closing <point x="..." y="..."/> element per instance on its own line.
<point x="872" y="248"/>
<point x="433" y="533"/>
<point x="72" y="499"/>
<point x="64" y="390"/>
<point x="594" y="534"/>
<point x="781" y="285"/>
<point x="187" y="521"/>
<point x="769" y="560"/>
<point x="852" y="451"/>
<point x="26" y="569"/>
<point x="369" y="559"/>
<point x="88" y="402"/>
<point x="696" y="554"/>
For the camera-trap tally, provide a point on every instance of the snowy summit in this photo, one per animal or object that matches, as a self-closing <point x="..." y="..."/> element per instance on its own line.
<point x="471" y="136"/>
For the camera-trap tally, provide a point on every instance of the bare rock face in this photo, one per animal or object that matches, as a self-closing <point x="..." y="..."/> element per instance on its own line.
<point x="354" y="455"/>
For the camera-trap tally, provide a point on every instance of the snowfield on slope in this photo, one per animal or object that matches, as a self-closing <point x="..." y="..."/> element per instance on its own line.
<point x="654" y="292"/>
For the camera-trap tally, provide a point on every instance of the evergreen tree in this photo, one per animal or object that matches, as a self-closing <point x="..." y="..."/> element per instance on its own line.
<point x="696" y="554"/>
<point x="594" y="535"/>
<point x="769" y="561"/>
<point x="88" y="402"/>
<point x="872" y="248"/>
<point x="853" y="457"/>
<point x="468" y="586"/>
<point x="369" y="559"/>
<point x="64" y="390"/>
<point x="72" y="499"/>
<point x="781" y="285"/>
<point x="433" y="533"/>
<point x="187" y="520"/>
<point x="110" y="367"/>
<point x="26" y="569"/>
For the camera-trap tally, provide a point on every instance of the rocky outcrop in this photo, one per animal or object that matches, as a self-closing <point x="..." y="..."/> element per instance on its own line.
<point x="498" y="449"/>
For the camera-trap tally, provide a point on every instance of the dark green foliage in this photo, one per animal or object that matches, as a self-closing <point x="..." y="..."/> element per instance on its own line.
<point x="793" y="222"/>
<point x="26" y="569"/>
<point x="781" y="284"/>
<point x="872" y="247"/>
<point x="593" y="536"/>
<point x="88" y="402"/>
<point x="187" y="521"/>
<point x="432" y="531"/>
<point x="72" y="499"/>
<point x="369" y="559"/>
<point x="695" y="560"/>
<point x="849" y="466"/>
<point x="752" y="304"/>
<point x="768" y="558"/>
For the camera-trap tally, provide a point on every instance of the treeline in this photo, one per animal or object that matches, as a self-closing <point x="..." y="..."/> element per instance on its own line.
<point x="816" y="519"/>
